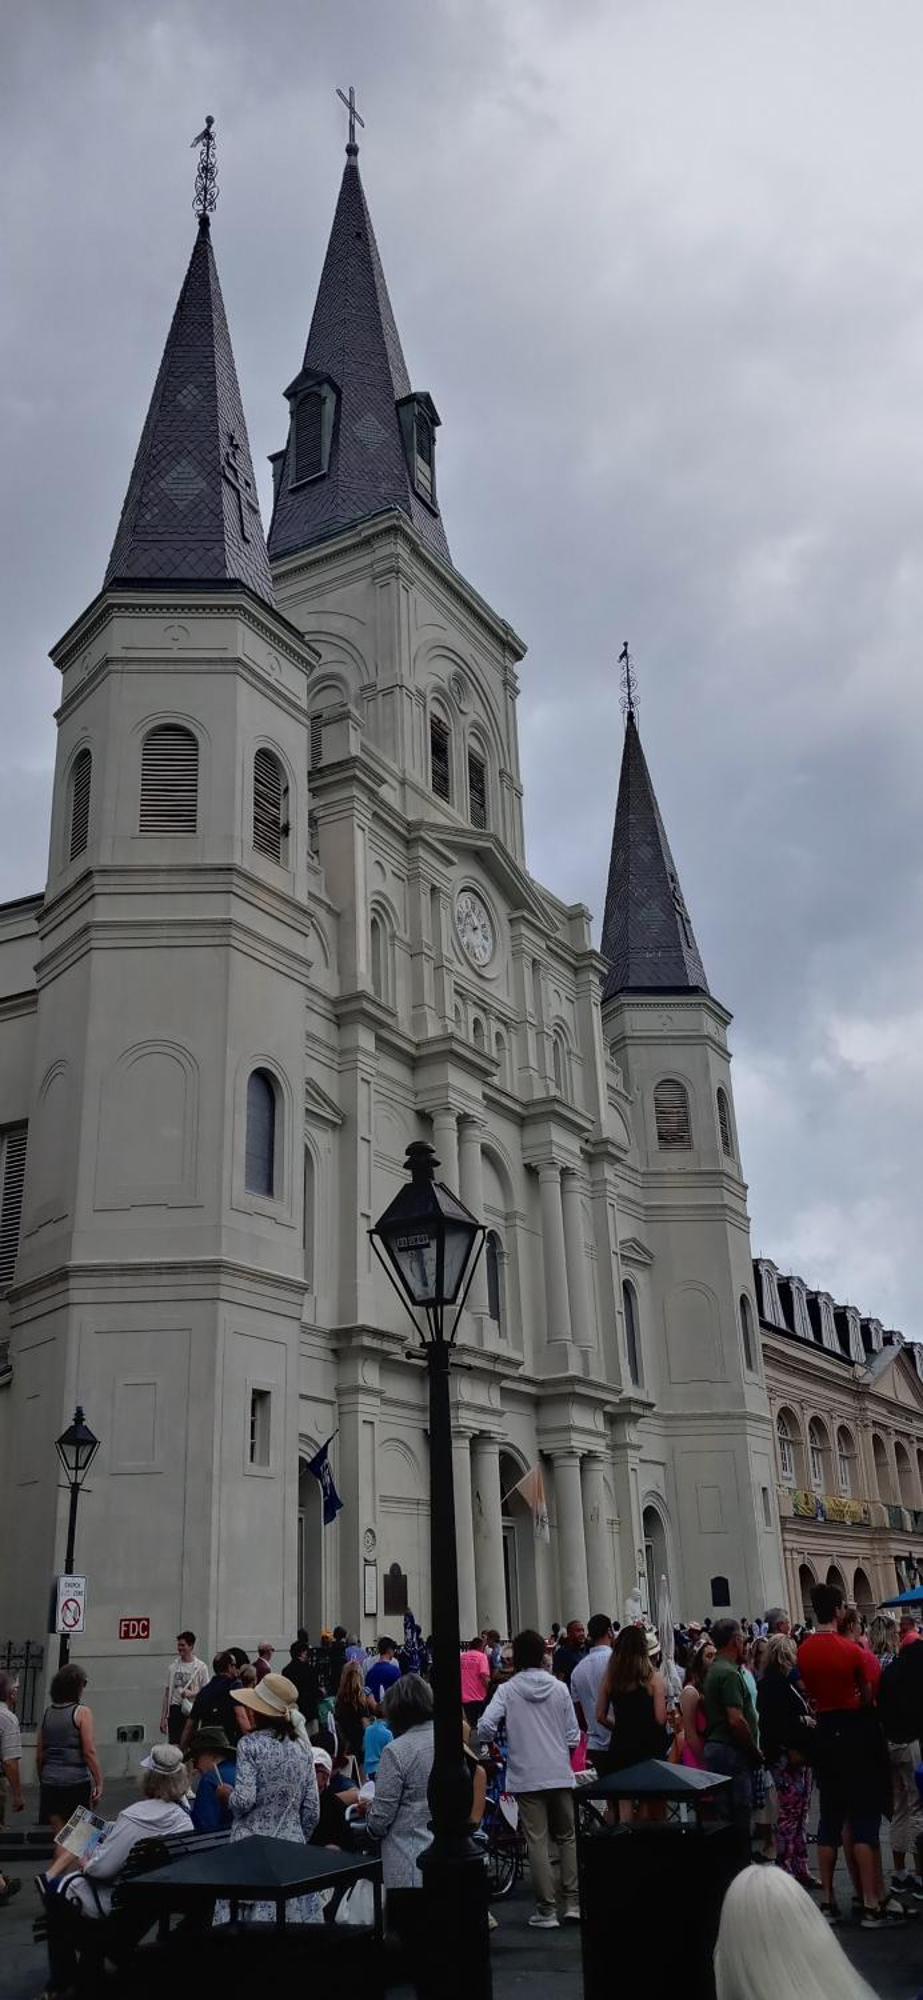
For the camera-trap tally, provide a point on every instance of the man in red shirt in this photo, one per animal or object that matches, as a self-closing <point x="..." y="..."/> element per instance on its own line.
<point x="851" y="1763"/>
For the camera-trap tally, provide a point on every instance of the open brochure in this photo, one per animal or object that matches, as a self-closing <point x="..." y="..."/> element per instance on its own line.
<point x="82" y="1834"/>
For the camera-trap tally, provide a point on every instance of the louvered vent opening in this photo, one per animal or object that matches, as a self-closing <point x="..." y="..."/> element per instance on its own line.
<point x="671" y="1106"/>
<point x="724" y="1123"/>
<point x="424" y="454"/>
<point x="12" y="1179"/>
<point x="439" y="758"/>
<point x="169" y="781"/>
<point x="80" y="803"/>
<point x="309" y="446"/>
<point x="270" y="822"/>
<point x="477" y="789"/>
<point x="317" y="740"/>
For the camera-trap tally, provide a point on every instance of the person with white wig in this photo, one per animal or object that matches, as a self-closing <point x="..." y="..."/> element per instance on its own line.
<point x="773" y="1944"/>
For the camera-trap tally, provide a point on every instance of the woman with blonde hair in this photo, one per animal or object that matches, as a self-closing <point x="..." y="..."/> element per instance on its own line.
<point x="352" y="1710"/>
<point x="773" y="1944"/>
<point x="633" y="1706"/>
<point x="786" y="1733"/>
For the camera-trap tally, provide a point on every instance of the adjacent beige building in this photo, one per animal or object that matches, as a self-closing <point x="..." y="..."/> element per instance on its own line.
<point x="847" y="1408"/>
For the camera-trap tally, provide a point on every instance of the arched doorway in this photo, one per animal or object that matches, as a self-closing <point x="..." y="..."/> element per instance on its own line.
<point x="806" y="1582"/>
<point x="655" y="1555"/>
<point x="862" y="1593"/>
<point x="518" y="1548"/>
<point x="310" y="1553"/>
<point x="836" y="1579"/>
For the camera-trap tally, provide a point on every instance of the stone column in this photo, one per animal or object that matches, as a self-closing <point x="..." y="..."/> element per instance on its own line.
<point x="488" y="1533"/>
<point x="464" y="1535"/>
<point x="598" y="1536"/>
<point x="557" y="1306"/>
<point x="572" y="1572"/>
<point x="445" y="1140"/>
<point x="576" y="1261"/>
<point x="471" y="1189"/>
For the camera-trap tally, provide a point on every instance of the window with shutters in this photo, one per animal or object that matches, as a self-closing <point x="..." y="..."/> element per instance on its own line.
<point x="424" y="443"/>
<point x="169" y="780"/>
<point x="560" y="1059"/>
<point x="477" y="789"/>
<point x="270" y="807"/>
<point x="317" y="740"/>
<point x="12" y="1180"/>
<point x="260" y="1427"/>
<point x="309" y="437"/>
<point x="724" y="1122"/>
<point x="632" y="1342"/>
<point x="786" y="1447"/>
<point x="260" y="1164"/>
<point x="671" y="1111"/>
<point x="439" y="756"/>
<point x="746" y="1333"/>
<point x="80" y="782"/>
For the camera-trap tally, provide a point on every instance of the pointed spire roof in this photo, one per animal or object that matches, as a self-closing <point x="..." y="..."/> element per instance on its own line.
<point x="191" y="514"/>
<point x="647" y="931"/>
<point x="354" y="346"/>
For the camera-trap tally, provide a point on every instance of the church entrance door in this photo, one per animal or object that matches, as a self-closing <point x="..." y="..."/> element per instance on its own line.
<point x="511" y="1578"/>
<point x="310" y="1554"/>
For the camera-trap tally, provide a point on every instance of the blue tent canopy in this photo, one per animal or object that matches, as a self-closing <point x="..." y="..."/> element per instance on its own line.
<point x="906" y="1597"/>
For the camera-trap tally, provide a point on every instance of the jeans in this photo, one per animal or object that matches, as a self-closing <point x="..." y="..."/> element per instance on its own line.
<point x="732" y="1802"/>
<point x="542" y="1814"/>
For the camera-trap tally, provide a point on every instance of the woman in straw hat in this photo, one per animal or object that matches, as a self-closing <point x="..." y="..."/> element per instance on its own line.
<point x="275" y="1791"/>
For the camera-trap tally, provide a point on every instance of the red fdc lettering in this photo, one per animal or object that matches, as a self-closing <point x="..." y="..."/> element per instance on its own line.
<point x="134" y="1628"/>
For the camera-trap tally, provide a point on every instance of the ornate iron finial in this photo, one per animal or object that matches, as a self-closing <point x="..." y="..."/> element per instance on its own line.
<point x="354" y="118"/>
<point x="629" y="694"/>
<point x="206" y="180"/>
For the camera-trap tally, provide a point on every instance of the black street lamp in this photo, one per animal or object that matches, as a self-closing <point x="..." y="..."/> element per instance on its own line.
<point x="76" y="1448"/>
<point x="429" y="1243"/>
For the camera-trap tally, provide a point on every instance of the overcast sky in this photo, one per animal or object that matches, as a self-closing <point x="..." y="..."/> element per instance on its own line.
<point x="661" y="267"/>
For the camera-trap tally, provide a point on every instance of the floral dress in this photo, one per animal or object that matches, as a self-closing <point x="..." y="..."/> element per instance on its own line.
<point x="275" y="1793"/>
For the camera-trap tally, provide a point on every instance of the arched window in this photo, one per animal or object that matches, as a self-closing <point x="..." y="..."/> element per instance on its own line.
<point x="270" y="806"/>
<point x="260" y="1160"/>
<point x="904" y="1476"/>
<point x="493" y="1253"/>
<point x="786" y="1447"/>
<point x="632" y="1342"/>
<point x="746" y="1333"/>
<point x="500" y="1054"/>
<point x="845" y="1451"/>
<point x="477" y="1032"/>
<point x="80" y="782"/>
<point x="817" y="1449"/>
<point x="882" y="1470"/>
<point x="169" y="780"/>
<point x="440" y="758"/>
<point x="377" y="957"/>
<point x="724" y="1121"/>
<point x="671" y="1111"/>
<point x="477" y="786"/>
<point x="561" y="1064"/>
<point x="310" y="1220"/>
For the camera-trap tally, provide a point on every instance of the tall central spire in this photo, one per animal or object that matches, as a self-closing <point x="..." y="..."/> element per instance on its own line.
<point x="647" y="930"/>
<point x="360" y="440"/>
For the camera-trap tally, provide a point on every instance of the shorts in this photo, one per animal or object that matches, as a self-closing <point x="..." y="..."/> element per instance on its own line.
<point x="864" y="1828"/>
<point x="62" y="1800"/>
<point x="853" y="1776"/>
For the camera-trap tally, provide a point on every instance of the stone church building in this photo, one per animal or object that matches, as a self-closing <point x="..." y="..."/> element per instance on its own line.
<point x="289" y="927"/>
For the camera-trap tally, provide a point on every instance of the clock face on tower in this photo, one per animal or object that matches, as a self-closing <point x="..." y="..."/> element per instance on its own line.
<point x="474" y="928"/>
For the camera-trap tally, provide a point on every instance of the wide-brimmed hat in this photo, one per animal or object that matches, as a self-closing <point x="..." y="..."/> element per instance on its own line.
<point x="322" y="1760"/>
<point x="164" y="1758"/>
<point x="652" y="1641"/>
<point x="275" y="1696"/>
<point x="210" y="1738"/>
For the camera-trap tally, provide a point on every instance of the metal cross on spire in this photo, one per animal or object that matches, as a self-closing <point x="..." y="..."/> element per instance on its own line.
<point x="629" y="695"/>
<point x="354" y="118"/>
<point x="206" y="180"/>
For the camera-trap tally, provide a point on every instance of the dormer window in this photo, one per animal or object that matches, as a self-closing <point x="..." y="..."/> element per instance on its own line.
<point x="419" y="419"/>
<point x="312" y="400"/>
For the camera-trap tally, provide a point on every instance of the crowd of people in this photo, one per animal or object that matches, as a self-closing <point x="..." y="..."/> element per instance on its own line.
<point x="342" y="1739"/>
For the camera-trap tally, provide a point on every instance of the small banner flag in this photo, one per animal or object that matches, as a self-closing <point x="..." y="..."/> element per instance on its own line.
<point x="532" y="1488"/>
<point x="320" y="1466"/>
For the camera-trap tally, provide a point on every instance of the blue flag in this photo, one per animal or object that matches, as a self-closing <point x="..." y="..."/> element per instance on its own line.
<point x="320" y="1466"/>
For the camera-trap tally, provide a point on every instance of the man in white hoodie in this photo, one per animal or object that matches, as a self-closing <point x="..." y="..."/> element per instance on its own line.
<point x="537" y="1715"/>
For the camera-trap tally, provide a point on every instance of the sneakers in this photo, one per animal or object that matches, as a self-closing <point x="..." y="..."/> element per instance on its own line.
<point x="543" y="1920"/>
<point x="885" y="1918"/>
<point x="571" y="1915"/>
<point x="832" y="1914"/>
<point x="907" y="1884"/>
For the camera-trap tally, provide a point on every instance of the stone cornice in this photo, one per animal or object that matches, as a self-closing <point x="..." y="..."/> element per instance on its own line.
<point x="191" y="1280"/>
<point x="273" y="626"/>
<point x="13" y="1006"/>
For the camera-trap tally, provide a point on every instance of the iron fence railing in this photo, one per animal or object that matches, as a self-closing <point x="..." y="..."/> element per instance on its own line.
<point x="25" y="1659"/>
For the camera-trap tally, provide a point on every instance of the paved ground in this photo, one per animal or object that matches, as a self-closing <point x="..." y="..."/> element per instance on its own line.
<point x="545" y="1965"/>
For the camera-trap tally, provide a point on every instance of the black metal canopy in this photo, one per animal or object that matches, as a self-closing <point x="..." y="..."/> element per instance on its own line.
<point x="258" y="1868"/>
<point x="654" y="1779"/>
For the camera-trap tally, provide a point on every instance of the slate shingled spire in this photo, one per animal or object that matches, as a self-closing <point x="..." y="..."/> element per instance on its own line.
<point x="647" y="933"/>
<point x="191" y="514"/>
<point x="354" y="354"/>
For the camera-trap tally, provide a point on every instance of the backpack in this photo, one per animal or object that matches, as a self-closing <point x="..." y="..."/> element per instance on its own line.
<point x="898" y="1699"/>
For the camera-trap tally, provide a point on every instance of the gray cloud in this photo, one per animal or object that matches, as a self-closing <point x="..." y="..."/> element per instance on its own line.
<point x="659" y="267"/>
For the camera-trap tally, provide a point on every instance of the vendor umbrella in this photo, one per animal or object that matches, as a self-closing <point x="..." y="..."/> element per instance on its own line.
<point x="906" y="1597"/>
<point x="655" y="1779"/>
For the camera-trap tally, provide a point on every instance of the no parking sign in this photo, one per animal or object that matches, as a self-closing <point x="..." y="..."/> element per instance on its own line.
<point x="71" y="1609"/>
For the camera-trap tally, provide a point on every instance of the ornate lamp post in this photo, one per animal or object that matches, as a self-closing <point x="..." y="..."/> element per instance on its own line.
<point x="76" y="1448"/>
<point x="429" y="1243"/>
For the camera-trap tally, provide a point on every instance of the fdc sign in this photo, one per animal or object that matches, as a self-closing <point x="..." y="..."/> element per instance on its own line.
<point x="134" y="1628"/>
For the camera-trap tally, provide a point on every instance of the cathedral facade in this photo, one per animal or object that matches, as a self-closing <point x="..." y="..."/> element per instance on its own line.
<point x="288" y="928"/>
